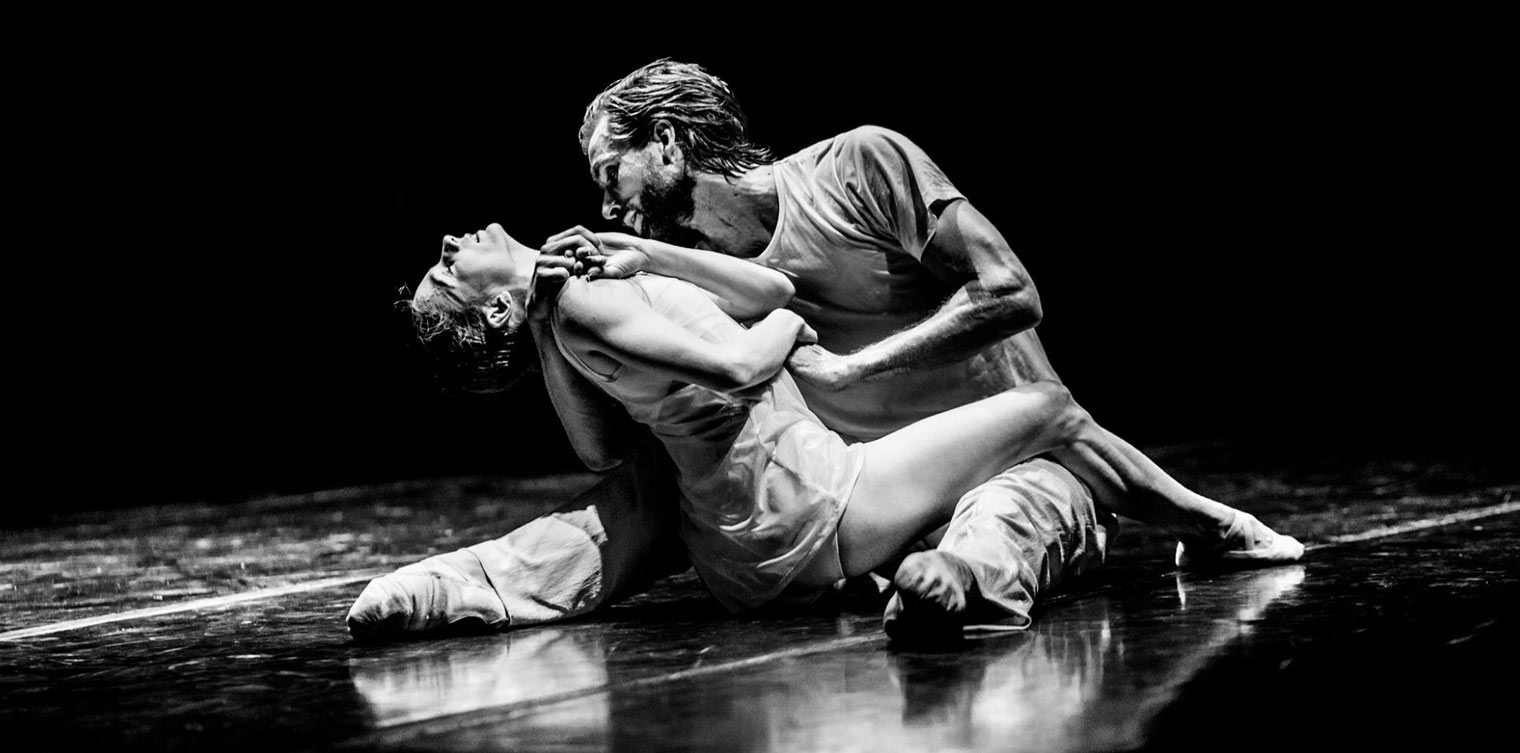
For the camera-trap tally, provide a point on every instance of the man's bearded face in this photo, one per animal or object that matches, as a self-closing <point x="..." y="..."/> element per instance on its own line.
<point x="668" y="206"/>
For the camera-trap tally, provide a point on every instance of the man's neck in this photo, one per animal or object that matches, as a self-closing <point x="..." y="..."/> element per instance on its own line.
<point x="738" y="214"/>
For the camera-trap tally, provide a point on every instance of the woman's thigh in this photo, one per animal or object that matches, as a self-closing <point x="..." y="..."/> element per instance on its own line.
<point x="911" y="478"/>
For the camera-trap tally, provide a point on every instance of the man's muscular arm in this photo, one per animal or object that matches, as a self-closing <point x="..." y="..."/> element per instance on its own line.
<point x="995" y="299"/>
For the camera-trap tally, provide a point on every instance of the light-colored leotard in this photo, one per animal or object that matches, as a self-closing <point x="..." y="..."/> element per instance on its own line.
<point x="763" y="483"/>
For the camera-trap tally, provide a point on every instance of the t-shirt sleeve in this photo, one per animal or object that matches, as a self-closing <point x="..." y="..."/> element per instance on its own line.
<point x="898" y="191"/>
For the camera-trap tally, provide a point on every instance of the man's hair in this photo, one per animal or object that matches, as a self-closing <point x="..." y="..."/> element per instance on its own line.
<point x="710" y="127"/>
<point x="466" y="354"/>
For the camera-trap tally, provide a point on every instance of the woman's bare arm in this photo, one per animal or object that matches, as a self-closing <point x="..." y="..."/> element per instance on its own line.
<point x="627" y="331"/>
<point x="599" y="429"/>
<point x="744" y="290"/>
<point x="597" y="426"/>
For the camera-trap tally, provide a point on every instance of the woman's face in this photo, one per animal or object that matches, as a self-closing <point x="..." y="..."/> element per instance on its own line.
<point x="472" y="267"/>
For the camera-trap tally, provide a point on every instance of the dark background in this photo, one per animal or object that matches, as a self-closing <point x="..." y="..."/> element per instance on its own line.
<point x="1278" y="235"/>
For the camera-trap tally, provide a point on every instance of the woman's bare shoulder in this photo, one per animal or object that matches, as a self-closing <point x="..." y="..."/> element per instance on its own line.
<point x="591" y="302"/>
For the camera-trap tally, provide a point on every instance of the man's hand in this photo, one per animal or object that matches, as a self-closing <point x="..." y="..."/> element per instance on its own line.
<point x="614" y="255"/>
<point x="820" y="368"/>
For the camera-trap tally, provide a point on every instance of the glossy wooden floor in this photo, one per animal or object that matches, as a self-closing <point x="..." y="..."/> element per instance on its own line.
<point x="220" y="628"/>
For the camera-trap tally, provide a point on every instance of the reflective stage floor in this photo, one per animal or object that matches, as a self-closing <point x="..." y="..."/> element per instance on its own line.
<point x="220" y="628"/>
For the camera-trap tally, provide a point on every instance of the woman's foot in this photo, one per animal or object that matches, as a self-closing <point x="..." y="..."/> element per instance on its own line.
<point x="935" y="591"/>
<point x="1247" y="543"/>
<point x="445" y="594"/>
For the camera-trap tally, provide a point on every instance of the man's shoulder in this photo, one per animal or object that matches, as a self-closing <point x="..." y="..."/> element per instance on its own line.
<point x="870" y="149"/>
<point x="853" y="144"/>
<point x="870" y="136"/>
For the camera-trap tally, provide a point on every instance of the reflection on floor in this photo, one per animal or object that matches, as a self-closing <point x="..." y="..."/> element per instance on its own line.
<point x="531" y="666"/>
<point x="1379" y="637"/>
<point x="1066" y="684"/>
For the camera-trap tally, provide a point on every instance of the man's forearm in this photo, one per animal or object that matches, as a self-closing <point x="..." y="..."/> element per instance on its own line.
<point x="995" y="300"/>
<point x="969" y="322"/>
<point x="747" y="289"/>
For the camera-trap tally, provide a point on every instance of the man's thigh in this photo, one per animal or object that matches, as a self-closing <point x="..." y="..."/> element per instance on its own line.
<point x="1026" y="531"/>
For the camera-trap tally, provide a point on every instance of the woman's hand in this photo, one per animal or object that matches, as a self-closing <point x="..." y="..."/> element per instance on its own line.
<point x="806" y="335"/>
<point x="550" y="273"/>
<point x="614" y="255"/>
<point x="558" y="261"/>
<point x="788" y="318"/>
<point x="622" y="255"/>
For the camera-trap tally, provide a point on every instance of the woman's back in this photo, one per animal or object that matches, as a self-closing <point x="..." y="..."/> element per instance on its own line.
<point x="763" y="481"/>
<point x="691" y="419"/>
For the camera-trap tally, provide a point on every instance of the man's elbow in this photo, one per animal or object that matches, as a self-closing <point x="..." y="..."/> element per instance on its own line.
<point x="599" y="441"/>
<point x="1012" y="310"/>
<point x="1029" y="308"/>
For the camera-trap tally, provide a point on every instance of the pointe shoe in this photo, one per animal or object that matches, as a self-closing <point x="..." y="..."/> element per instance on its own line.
<point x="1248" y="543"/>
<point x="935" y="590"/>
<point x="429" y="597"/>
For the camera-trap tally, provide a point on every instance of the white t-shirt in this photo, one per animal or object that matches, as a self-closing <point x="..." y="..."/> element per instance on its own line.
<point x="856" y="212"/>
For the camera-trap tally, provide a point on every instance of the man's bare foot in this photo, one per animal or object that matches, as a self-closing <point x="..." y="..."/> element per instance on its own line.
<point x="1247" y="543"/>
<point x="935" y="590"/>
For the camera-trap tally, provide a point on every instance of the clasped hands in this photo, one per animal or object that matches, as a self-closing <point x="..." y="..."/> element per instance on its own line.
<point x="578" y="251"/>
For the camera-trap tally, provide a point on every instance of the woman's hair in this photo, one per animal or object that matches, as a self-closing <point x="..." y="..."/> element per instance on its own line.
<point x="710" y="127"/>
<point x="467" y="354"/>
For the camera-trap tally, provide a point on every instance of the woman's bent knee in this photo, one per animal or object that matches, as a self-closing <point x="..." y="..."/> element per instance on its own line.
<point x="1053" y="396"/>
<point x="1075" y="423"/>
<point x="1063" y="420"/>
<point x="1067" y="422"/>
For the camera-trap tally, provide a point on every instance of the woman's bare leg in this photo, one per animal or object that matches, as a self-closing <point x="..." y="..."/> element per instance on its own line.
<point x="1126" y="482"/>
<point x="913" y="477"/>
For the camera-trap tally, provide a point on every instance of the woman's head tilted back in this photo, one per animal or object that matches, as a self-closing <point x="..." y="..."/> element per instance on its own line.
<point x="470" y="306"/>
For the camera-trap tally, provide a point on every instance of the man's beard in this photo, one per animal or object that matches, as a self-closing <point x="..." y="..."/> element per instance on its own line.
<point x="668" y="208"/>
